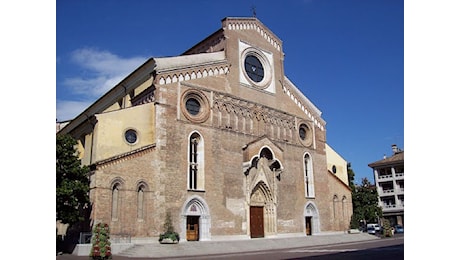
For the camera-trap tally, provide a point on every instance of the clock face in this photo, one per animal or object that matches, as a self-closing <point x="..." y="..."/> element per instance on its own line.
<point x="254" y="68"/>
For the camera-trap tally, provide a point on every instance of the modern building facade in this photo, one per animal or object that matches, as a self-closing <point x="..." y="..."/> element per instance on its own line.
<point x="389" y="182"/>
<point x="218" y="137"/>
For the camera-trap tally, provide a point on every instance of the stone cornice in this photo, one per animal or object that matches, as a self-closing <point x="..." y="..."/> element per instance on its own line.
<point x="123" y="157"/>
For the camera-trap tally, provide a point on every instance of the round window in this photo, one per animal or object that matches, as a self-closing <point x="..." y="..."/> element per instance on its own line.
<point x="305" y="134"/>
<point x="193" y="106"/>
<point x="334" y="169"/>
<point x="303" y="131"/>
<point x="254" y="68"/>
<point x="131" y="136"/>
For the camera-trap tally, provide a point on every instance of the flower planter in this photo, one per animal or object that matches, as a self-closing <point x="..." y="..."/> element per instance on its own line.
<point x="168" y="241"/>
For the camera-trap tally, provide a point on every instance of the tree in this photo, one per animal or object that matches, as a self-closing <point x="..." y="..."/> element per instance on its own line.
<point x="365" y="202"/>
<point x="354" y="222"/>
<point x="351" y="176"/>
<point x="72" y="181"/>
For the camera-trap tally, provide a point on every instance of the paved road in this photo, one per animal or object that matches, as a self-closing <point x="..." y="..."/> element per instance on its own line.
<point x="280" y="248"/>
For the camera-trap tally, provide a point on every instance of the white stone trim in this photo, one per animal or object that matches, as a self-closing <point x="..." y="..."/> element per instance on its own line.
<point x="254" y="25"/>
<point x="303" y="103"/>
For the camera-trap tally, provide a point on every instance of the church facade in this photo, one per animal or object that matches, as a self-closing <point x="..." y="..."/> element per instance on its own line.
<point x="219" y="138"/>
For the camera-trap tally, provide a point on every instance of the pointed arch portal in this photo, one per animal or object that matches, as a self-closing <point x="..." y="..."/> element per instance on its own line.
<point x="311" y="219"/>
<point x="262" y="211"/>
<point x="195" y="220"/>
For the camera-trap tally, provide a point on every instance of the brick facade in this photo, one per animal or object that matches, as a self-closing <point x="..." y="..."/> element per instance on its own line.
<point x="247" y="139"/>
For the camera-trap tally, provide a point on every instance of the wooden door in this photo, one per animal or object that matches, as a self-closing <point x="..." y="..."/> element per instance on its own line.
<point x="193" y="228"/>
<point x="257" y="221"/>
<point x="308" y="226"/>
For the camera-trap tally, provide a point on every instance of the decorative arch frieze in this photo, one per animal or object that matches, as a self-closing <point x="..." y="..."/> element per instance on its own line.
<point x="195" y="73"/>
<point x="274" y="123"/>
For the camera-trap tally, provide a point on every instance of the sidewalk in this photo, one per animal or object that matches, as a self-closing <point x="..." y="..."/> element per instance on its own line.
<point x="161" y="251"/>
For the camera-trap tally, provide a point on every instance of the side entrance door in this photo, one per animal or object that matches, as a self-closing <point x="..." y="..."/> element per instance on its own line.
<point x="308" y="226"/>
<point x="193" y="228"/>
<point x="256" y="221"/>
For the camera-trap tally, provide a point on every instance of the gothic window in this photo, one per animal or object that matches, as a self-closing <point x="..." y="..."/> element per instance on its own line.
<point x="308" y="177"/>
<point x="196" y="162"/>
<point x="115" y="200"/>
<point x="140" y="201"/>
<point x="344" y="208"/>
<point x="335" y="201"/>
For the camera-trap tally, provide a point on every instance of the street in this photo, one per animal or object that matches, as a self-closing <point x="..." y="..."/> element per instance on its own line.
<point x="385" y="248"/>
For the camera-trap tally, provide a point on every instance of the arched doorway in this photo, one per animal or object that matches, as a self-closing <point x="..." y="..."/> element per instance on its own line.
<point x="311" y="219"/>
<point x="195" y="220"/>
<point x="262" y="212"/>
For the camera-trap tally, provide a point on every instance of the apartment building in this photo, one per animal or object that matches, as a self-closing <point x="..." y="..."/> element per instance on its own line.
<point x="389" y="182"/>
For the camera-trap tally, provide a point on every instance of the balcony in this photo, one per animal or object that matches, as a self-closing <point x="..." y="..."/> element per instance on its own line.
<point x="399" y="175"/>
<point x="388" y="191"/>
<point x="386" y="176"/>
<point x="392" y="207"/>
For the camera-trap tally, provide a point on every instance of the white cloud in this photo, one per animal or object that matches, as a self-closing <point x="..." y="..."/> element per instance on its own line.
<point x="67" y="110"/>
<point x="99" y="71"/>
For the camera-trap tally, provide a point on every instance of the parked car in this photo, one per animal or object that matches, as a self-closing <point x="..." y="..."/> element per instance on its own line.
<point x="399" y="229"/>
<point x="375" y="226"/>
<point x="371" y="230"/>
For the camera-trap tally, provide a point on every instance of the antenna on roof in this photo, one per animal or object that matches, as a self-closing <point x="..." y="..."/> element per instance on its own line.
<point x="253" y="10"/>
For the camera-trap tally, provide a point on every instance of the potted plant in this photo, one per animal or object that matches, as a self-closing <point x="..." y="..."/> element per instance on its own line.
<point x="169" y="236"/>
<point x="100" y="248"/>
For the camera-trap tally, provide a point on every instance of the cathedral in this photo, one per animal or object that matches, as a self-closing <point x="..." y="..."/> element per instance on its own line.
<point x="218" y="138"/>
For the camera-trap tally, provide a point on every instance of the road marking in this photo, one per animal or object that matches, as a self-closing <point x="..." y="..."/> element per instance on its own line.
<point x="320" y="250"/>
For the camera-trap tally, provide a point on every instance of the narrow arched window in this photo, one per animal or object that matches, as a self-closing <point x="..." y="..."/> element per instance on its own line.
<point x="308" y="177"/>
<point x="335" y="200"/>
<point x="196" y="162"/>
<point x="140" y="202"/>
<point x="344" y="207"/>
<point x="115" y="199"/>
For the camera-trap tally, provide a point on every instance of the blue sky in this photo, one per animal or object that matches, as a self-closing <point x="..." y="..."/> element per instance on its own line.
<point x="346" y="56"/>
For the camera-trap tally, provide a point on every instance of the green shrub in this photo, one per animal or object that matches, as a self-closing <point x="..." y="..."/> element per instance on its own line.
<point x="169" y="230"/>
